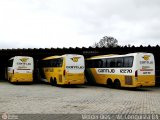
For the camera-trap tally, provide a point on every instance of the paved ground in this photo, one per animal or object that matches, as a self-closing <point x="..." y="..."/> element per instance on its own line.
<point x="44" y="98"/>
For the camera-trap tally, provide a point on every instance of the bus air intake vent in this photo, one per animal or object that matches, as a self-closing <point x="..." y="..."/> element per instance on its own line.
<point x="60" y="78"/>
<point x="128" y="80"/>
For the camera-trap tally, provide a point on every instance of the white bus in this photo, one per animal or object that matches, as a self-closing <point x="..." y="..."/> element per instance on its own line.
<point x="62" y="70"/>
<point x="129" y="70"/>
<point x="20" y="69"/>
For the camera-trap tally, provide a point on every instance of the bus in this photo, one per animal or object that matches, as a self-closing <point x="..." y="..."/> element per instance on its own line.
<point x="20" y="69"/>
<point x="129" y="70"/>
<point x="62" y="70"/>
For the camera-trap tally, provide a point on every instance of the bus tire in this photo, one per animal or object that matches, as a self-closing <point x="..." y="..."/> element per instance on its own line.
<point x="117" y="84"/>
<point x="109" y="83"/>
<point x="53" y="82"/>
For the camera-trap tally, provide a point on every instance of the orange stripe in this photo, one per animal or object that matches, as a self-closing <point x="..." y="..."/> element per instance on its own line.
<point x="146" y="70"/>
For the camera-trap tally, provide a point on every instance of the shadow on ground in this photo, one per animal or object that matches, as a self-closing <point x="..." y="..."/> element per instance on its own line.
<point x="129" y="89"/>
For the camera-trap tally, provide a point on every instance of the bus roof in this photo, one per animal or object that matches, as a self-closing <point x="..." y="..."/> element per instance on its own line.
<point x="113" y="55"/>
<point x="51" y="57"/>
<point x="103" y="55"/>
<point x="19" y="57"/>
<point x="56" y="56"/>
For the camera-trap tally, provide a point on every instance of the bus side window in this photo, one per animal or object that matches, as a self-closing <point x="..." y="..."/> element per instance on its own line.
<point x="51" y="63"/>
<point x="54" y="63"/>
<point x="112" y="62"/>
<point x="100" y="64"/>
<point x="106" y="63"/>
<point x="119" y="62"/>
<point x="94" y="64"/>
<point x="128" y="61"/>
<point x="59" y="62"/>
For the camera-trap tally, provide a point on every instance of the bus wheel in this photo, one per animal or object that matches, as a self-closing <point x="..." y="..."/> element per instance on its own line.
<point x="117" y="84"/>
<point x="53" y="82"/>
<point x="9" y="79"/>
<point x="109" y="83"/>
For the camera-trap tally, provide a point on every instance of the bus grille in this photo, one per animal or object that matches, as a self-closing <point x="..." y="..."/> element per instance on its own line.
<point x="128" y="80"/>
<point x="60" y="78"/>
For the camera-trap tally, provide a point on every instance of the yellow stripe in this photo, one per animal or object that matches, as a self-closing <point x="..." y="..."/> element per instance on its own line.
<point x="21" y="77"/>
<point x="69" y="78"/>
<point x="143" y="80"/>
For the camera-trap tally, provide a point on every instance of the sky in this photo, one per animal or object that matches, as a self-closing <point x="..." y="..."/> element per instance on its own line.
<point x="78" y="23"/>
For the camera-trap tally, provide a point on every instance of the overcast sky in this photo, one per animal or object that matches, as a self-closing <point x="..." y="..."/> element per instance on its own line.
<point x="78" y="23"/>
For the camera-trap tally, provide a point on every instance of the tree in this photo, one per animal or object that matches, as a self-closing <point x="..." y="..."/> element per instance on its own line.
<point x="106" y="42"/>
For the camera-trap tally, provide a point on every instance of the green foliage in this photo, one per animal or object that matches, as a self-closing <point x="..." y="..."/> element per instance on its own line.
<point x="106" y="42"/>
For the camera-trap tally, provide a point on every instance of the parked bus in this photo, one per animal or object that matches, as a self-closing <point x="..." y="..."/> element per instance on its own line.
<point x="129" y="70"/>
<point x="63" y="70"/>
<point x="20" y="69"/>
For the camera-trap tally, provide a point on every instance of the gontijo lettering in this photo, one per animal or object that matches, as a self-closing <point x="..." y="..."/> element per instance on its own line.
<point x="75" y="67"/>
<point x="18" y="63"/>
<point x="106" y="70"/>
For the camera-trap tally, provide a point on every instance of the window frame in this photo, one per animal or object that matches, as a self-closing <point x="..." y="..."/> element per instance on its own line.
<point x="93" y="63"/>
